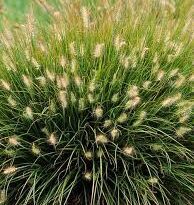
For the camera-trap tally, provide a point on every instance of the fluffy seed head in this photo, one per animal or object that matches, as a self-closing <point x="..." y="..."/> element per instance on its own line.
<point x="92" y="86"/>
<point x="13" y="140"/>
<point x="101" y="139"/>
<point x="50" y="75"/>
<point x="181" y="131"/>
<point x="99" y="153"/>
<point x="5" y="85"/>
<point x="41" y="80"/>
<point x="124" y="61"/>
<point x="191" y="78"/>
<point x="170" y="57"/>
<point x="77" y="80"/>
<point x="155" y="69"/>
<point x="132" y="103"/>
<point x="184" y="110"/>
<point x="128" y="151"/>
<point x="88" y="176"/>
<point x="133" y="91"/>
<point x="85" y="17"/>
<point x="27" y="54"/>
<point x="185" y="106"/>
<point x="180" y="81"/>
<point x="45" y="131"/>
<point x="43" y="49"/>
<point x="3" y="197"/>
<point x="171" y="100"/>
<point x="63" y="98"/>
<point x="114" y="133"/>
<point x="82" y="50"/>
<point x="119" y="43"/>
<point x="9" y="63"/>
<point x="160" y="75"/>
<point x="91" y="98"/>
<point x="81" y="104"/>
<point x="144" y="51"/>
<point x="11" y="101"/>
<point x="155" y="59"/>
<point x="52" y="106"/>
<point x="142" y="115"/>
<point x="146" y="84"/>
<point x="27" y="81"/>
<point x="140" y="119"/>
<point x="73" y="65"/>
<point x="98" y="112"/>
<point x="173" y="73"/>
<point x="35" y="149"/>
<point x="98" y="50"/>
<point x="28" y="113"/>
<point x="156" y="147"/>
<point x="115" y="98"/>
<point x="10" y="152"/>
<point x="73" y="98"/>
<point x="88" y="155"/>
<point x="153" y="180"/>
<point x="35" y="63"/>
<point x="9" y="170"/>
<point x="107" y="123"/>
<point x="72" y="49"/>
<point x="184" y="118"/>
<point x="62" y="81"/>
<point x="122" y="118"/>
<point x="52" y="139"/>
<point x="63" y="61"/>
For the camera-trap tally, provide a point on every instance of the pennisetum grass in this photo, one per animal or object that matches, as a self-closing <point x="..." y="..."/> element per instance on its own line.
<point x="96" y="105"/>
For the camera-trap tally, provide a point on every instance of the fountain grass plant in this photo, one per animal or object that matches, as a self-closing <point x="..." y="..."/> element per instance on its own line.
<point x="96" y="105"/>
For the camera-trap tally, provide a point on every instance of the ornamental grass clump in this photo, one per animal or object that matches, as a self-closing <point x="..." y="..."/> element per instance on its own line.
<point x="96" y="105"/>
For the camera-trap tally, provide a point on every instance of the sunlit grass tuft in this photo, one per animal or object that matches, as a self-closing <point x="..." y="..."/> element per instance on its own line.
<point x="96" y="105"/>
